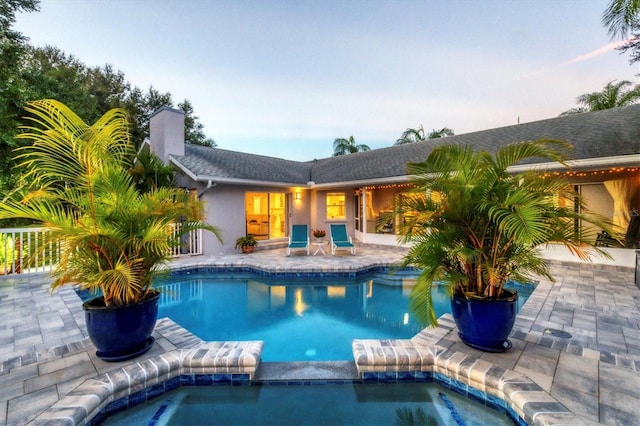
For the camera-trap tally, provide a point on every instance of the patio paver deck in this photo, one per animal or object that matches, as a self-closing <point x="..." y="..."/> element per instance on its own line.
<point x="44" y="351"/>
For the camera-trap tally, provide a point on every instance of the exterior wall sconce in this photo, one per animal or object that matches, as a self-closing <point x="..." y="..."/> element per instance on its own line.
<point x="296" y="196"/>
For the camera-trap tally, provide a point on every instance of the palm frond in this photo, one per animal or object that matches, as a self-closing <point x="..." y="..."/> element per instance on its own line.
<point x="485" y="225"/>
<point x="113" y="236"/>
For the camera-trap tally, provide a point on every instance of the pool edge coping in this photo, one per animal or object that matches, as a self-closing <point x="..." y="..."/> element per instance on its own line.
<point x="460" y="372"/>
<point x="535" y="417"/>
<point x="139" y="381"/>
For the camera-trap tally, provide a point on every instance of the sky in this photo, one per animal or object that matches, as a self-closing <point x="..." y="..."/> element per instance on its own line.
<point x="286" y="78"/>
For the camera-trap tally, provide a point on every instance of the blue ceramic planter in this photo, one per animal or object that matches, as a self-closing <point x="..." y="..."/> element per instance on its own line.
<point x="121" y="333"/>
<point x="486" y="324"/>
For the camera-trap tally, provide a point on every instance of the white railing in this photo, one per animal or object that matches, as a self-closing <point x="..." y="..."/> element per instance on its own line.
<point x="191" y="242"/>
<point x="22" y="251"/>
<point x="25" y="250"/>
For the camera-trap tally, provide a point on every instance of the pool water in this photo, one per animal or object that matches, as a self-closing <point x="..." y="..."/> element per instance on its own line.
<point x="321" y="404"/>
<point x="299" y="319"/>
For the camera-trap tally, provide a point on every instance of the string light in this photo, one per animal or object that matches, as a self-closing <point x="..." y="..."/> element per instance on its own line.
<point x="358" y="191"/>
<point x="570" y="173"/>
<point x="390" y="186"/>
<point x="613" y="170"/>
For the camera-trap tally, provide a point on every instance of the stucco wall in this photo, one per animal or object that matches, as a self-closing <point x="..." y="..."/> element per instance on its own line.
<point x="225" y="208"/>
<point x="319" y="216"/>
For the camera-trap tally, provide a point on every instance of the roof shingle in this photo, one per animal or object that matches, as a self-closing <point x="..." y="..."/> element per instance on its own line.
<point x="607" y="133"/>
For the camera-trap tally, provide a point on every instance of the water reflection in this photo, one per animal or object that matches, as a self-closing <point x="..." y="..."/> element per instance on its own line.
<point x="299" y="319"/>
<point x="245" y="302"/>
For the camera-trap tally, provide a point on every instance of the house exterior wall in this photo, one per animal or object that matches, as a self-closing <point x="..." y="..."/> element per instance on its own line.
<point x="319" y="210"/>
<point x="299" y="210"/>
<point x="225" y="209"/>
<point x="225" y="202"/>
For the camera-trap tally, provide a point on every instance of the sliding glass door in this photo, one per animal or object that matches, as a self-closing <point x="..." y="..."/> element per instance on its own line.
<point x="266" y="214"/>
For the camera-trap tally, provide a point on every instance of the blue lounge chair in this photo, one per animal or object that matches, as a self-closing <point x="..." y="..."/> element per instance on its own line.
<point x="298" y="239"/>
<point x="340" y="240"/>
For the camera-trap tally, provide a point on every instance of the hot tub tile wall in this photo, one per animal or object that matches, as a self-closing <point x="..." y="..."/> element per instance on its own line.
<point x="233" y="363"/>
<point x="125" y="403"/>
<point x="223" y="357"/>
<point x="208" y="363"/>
<point x="503" y="389"/>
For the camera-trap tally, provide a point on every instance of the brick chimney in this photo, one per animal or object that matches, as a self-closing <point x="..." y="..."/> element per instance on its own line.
<point x="166" y="133"/>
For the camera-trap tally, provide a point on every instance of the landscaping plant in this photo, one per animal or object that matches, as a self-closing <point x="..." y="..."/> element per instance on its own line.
<point x="474" y="224"/>
<point x="113" y="236"/>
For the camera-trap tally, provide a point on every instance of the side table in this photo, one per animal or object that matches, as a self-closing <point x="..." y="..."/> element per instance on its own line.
<point x="320" y="245"/>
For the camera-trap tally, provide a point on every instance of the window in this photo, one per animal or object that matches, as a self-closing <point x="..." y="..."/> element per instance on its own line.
<point x="335" y="205"/>
<point x="265" y="214"/>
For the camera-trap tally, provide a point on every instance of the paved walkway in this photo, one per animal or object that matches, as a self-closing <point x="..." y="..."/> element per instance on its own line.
<point x="44" y="352"/>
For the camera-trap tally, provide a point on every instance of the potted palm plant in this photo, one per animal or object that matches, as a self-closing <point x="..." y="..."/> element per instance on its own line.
<point x="474" y="226"/>
<point x="113" y="236"/>
<point x="247" y="243"/>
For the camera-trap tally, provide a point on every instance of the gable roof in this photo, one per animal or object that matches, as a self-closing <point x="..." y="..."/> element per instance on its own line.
<point x="596" y="136"/>
<point x="221" y="165"/>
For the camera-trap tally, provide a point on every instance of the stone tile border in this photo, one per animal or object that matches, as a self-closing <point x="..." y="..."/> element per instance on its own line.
<point x="131" y="400"/>
<point x="206" y="363"/>
<point x="522" y="329"/>
<point x="527" y="329"/>
<point x="502" y="389"/>
<point x="386" y="361"/>
<point x="434" y="335"/>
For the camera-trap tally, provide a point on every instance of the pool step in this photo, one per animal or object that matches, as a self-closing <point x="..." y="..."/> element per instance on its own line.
<point x="315" y="370"/>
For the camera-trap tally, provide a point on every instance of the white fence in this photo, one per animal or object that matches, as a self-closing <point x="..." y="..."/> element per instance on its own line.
<point x="191" y="242"/>
<point x="22" y="250"/>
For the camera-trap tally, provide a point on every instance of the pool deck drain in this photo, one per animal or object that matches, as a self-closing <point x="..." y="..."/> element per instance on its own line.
<point x="554" y="332"/>
<point x="45" y="353"/>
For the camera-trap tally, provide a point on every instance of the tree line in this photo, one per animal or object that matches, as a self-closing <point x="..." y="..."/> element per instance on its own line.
<point x="28" y="73"/>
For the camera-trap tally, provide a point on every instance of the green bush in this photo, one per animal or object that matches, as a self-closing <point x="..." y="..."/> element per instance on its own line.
<point x="6" y="251"/>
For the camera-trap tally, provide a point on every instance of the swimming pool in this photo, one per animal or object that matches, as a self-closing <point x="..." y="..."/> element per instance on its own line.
<point x="299" y="319"/>
<point x="312" y="404"/>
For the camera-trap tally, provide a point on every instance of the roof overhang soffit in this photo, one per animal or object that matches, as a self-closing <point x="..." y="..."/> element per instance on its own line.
<point x="583" y="164"/>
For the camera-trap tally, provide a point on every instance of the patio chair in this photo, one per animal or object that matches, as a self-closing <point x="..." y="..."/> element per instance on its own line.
<point x="340" y="240"/>
<point x="298" y="239"/>
<point x="631" y="237"/>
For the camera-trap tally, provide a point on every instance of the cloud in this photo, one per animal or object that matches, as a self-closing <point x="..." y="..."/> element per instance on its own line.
<point x="599" y="51"/>
<point x="552" y="68"/>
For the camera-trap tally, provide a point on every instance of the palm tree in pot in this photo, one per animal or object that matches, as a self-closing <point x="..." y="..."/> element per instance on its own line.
<point x="247" y="243"/>
<point x="113" y="237"/>
<point x="474" y="226"/>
